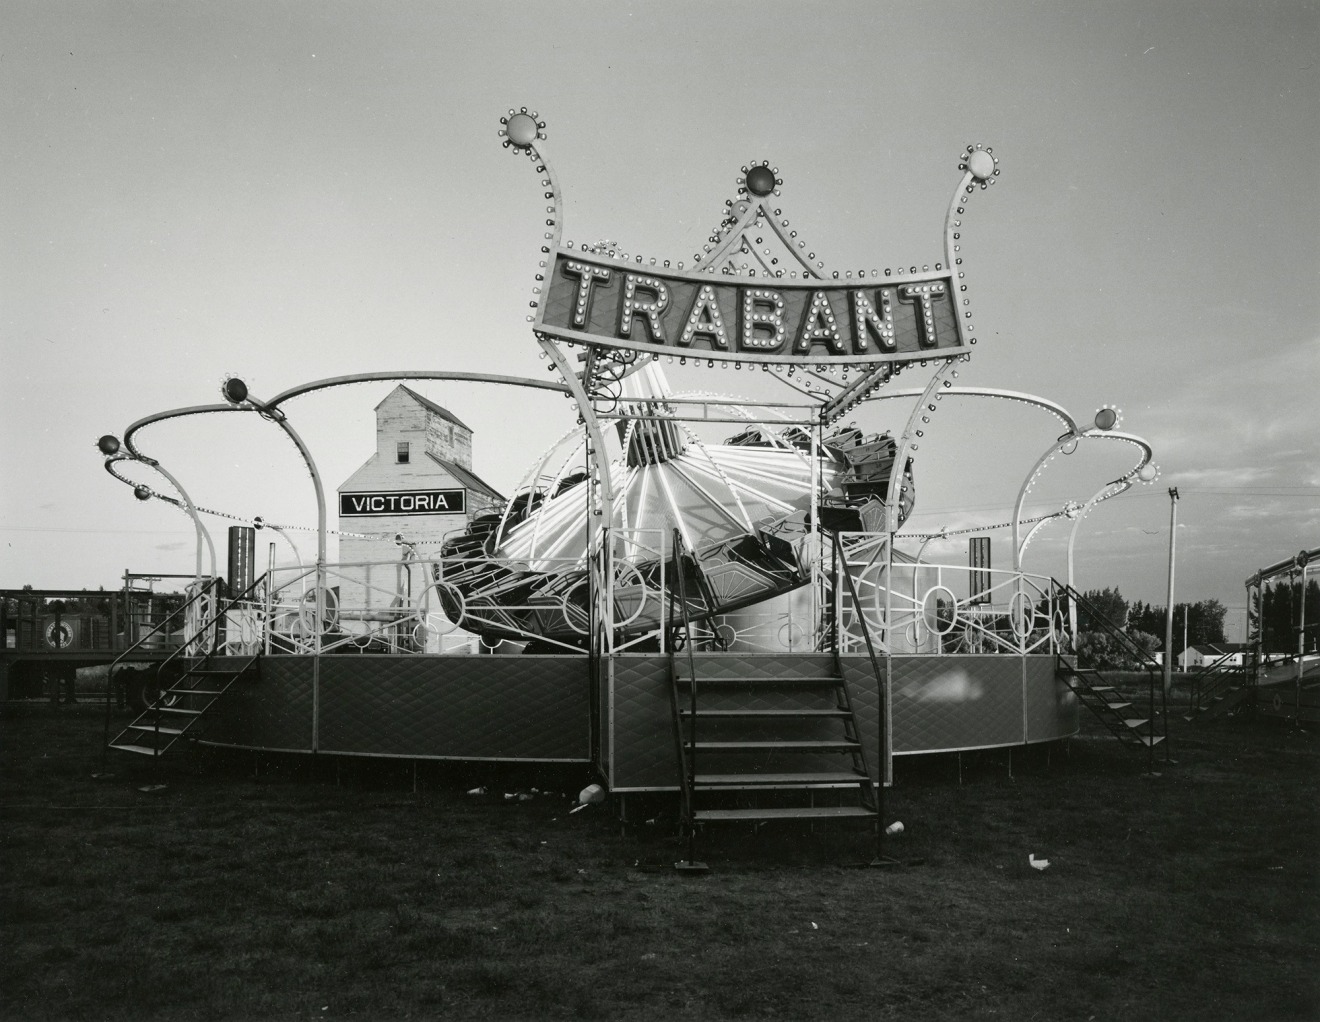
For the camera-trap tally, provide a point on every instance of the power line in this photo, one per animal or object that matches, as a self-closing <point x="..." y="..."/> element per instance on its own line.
<point x="1001" y="506"/>
<point x="1312" y="492"/>
<point x="1297" y="491"/>
<point x="108" y="532"/>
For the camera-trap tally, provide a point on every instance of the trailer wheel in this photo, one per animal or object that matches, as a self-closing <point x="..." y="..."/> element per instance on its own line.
<point x="142" y="688"/>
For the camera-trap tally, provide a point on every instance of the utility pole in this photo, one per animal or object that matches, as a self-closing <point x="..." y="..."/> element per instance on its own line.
<point x="1303" y="562"/>
<point x="1168" y="613"/>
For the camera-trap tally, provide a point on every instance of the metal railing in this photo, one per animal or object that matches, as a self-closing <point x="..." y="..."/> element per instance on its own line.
<point x="205" y="591"/>
<point x="447" y="604"/>
<point x="929" y="609"/>
<point x="686" y="763"/>
<point x="1139" y="654"/>
<point x="206" y="611"/>
<point x="407" y="617"/>
<point x="876" y="795"/>
<point x="1214" y="679"/>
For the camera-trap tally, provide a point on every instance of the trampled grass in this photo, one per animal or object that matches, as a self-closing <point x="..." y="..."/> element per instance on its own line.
<point x="285" y="889"/>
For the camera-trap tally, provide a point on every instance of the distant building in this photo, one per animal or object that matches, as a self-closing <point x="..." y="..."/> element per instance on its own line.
<point x="1227" y="654"/>
<point x="419" y="485"/>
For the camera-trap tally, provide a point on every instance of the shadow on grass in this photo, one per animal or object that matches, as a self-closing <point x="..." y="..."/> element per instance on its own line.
<point x="283" y="888"/>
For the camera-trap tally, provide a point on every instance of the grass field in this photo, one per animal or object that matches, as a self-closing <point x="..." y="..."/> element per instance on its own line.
<point x="278" y="889"/>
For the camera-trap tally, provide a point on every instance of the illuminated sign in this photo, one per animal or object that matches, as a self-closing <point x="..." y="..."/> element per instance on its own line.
<point x="596" y="295"/>
<point x="591" y="300"/>
<point x="402" y="502"/>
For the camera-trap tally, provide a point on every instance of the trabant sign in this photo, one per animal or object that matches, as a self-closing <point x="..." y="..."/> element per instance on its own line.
<point x="596" y="301"/>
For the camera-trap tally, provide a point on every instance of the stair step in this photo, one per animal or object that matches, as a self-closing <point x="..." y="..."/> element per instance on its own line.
<point x="142" y="750"/>
<point x="777" y="780"/>
<point x="1135" y="722"/>
<point x="1116" y="706"/>
<point x="830" y="680"/>
<point x="812" y="745"/>
<point x="800" y="813"/>
<point x="766" y="713"/>
<point x="1102" y="688"/>
<point x="149" y="722"/>
<point x="1149" y="739"/>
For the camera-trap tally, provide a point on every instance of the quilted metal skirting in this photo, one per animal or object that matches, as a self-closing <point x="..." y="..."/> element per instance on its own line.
<point x="272" y="712"/>
<point x="943" y="703"/>
<point x="539" y="708"/>
<point x="640" y="724"/>
<point x="423" y="707"/>
<point x="482" y="707"/>
<point x="1051" y="705"/>
<point x="950" y="703"/>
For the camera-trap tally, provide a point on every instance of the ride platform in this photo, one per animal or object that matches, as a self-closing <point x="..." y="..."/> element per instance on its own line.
<point x="531" y="708"/>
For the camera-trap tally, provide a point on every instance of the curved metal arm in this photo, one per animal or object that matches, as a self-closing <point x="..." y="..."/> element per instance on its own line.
<point x="894" y="494"/>
<point x="411" y="374"/>
<point x="191" y="508"/>
<point x="280" y="419"/>
<point x="1055" y="448"/>
<point x="203" y="536"/>
<point x="297" y="554"/>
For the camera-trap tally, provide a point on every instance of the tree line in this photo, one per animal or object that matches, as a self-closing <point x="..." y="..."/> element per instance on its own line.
<point x="1194" y="624"/>
<point x="1281" y="614"/>
<point x="1102" y="612"/>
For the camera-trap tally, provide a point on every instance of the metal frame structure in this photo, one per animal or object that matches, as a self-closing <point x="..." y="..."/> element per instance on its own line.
<point x="1299" y="566"/>
<point x="828" y="371"/>
<point x="607" y="360"/>
<point x="819" y="398"/>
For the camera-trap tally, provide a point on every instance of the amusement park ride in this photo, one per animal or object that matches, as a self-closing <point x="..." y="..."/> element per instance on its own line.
<point x="745" y="622"/>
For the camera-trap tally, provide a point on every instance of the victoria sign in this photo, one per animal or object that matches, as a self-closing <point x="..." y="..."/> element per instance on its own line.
<point x="401" y="502"/>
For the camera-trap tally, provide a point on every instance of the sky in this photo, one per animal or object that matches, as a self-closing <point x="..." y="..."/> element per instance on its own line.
<point x="288" y="191"/>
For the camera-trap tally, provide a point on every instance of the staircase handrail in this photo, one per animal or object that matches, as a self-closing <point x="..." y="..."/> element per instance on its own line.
<point x="841" y="568"/>
<point x="686" y="767"/>
<point x="1211" y="677"/>
<point x="118" y="661"/>
<point x="1143" y="657"/>
<point x="223" y="607"/>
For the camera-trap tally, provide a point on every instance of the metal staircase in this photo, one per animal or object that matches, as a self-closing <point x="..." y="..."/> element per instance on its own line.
<point x="198" y="675"/>
<point x="179" y="708"/>
<point x="1121" y="718"/>
<point x="762" y="738"/>
<point x="1218" y="690"/>
<point x="750" y="728"/>
<point x="1136" y="727"/>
